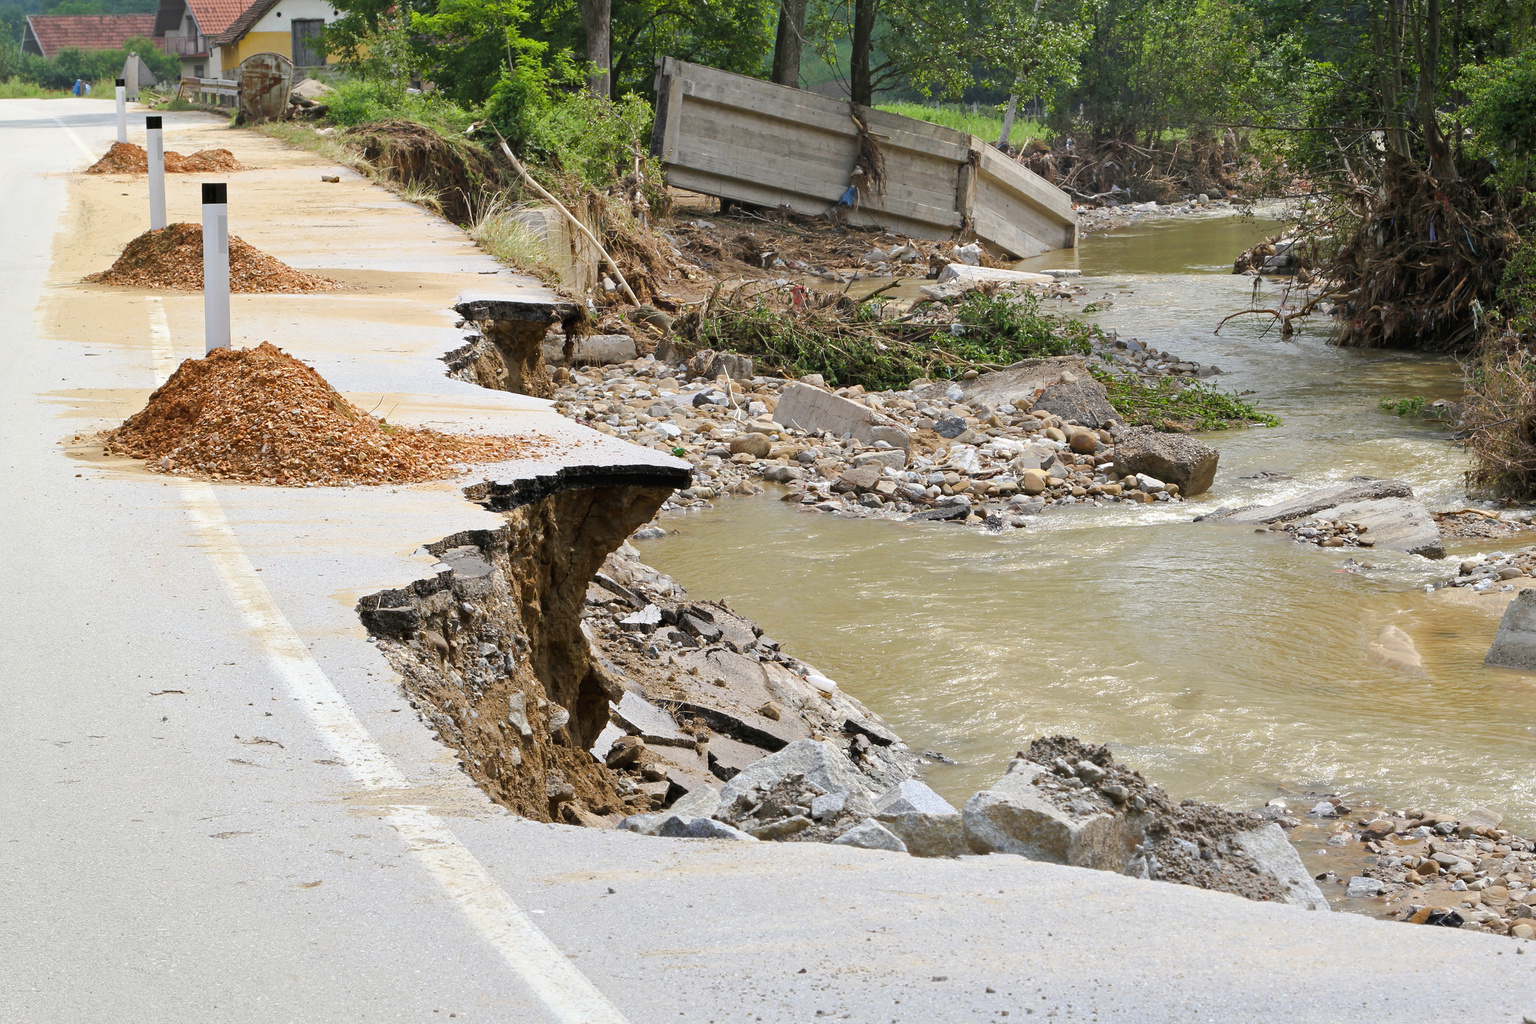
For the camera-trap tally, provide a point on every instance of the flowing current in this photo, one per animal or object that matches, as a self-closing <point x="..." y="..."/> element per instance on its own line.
<point x="1228" y="666"/>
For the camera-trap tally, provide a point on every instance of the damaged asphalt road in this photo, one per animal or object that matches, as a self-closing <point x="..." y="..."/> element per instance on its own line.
<point x="158" y="867"/>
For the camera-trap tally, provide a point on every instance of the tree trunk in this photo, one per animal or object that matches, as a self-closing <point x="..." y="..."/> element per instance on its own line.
<point x="863" y="86"/>
<point x="1013" y="104"/>
<point x="1441" y="164"/>
<point x="787" y="45"/>
<point x="597" y="23"/>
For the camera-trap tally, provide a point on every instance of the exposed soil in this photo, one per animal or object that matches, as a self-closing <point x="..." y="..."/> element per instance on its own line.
<point x="126" y="158"/>
<point x="173" y="258"/>
<point x="261" y="416"/>
<point x="461" y="174"/>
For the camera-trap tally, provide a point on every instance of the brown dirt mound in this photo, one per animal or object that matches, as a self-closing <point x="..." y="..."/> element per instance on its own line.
<point x="173" y="258"/>
<point x="126" y="158"/>
<point x="261" y="416"/>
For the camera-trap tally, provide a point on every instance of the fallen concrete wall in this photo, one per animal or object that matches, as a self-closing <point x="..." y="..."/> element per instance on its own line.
<point x="772" y="145"/>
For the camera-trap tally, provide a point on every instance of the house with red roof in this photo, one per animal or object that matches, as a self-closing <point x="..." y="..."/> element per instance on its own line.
<point x="48" y="35"/>
<point x="213" y="36"/>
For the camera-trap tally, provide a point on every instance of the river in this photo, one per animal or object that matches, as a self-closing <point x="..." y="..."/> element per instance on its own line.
<point x="1227" y="666"/>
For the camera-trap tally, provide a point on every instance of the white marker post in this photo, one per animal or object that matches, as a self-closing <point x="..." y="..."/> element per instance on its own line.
<point x="155" y="145"/>
<point x="122" y="110"/>
<point x="215" y="265"/>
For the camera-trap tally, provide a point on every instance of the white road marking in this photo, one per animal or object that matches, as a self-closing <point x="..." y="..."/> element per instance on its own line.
<point x="538" y="962"/>
<point x="75" y="139"/>
<point x="160" y="341"/>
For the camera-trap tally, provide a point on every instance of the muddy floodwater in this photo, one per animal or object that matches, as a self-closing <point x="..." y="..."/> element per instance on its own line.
<point x="1228" y="666"/>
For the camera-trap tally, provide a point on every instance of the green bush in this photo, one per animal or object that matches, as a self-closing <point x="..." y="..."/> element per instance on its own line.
<point x="360" y="101"/>
<point x="1501" y="111"/>
<point x="88" y="65"/>
<point x="571" y="132"/>
<point x="1005" y="329"/>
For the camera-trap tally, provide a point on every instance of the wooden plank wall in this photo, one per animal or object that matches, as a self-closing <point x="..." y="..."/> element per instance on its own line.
<point x="751" y="141"/>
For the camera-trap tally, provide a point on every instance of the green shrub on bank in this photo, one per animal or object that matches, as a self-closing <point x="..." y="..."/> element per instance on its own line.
<point x="361" y="101"/>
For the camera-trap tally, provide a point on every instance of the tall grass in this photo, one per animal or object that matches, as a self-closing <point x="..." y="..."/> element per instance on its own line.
<point x="16" y="89"/>
<point x="496" y="230"/>
<point x="987" y="122"/>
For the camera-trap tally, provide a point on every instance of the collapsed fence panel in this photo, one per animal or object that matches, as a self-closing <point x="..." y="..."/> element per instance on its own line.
<point x="749" y="141"/>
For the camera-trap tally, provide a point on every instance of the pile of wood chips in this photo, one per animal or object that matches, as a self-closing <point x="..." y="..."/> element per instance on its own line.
<point x="261" y="416"/>
<point x="126" y="158"/>
<point x="173" y="258"/>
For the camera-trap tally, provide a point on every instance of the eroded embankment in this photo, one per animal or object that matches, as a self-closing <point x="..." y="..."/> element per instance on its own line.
<point x="492" y="653"/>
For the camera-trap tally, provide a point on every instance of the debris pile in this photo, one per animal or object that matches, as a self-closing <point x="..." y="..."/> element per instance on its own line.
<point x="1482" y="572"/>
<point x="1457" y="871"/>
<point x="126" y="158"/>
<point x="261" y="416"/>
<point x="1325" y="533"/>
<point x="986" y="448"/>
<point x="172" y="257"/>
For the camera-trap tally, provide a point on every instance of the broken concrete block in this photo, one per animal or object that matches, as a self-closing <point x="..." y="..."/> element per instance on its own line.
<point x="814" y="410"/>
<point x="644" y="621"/>
<point x="589" y="350"/>
<point x="1012" y="816"/>
<point x="974" y="277"/>
<point x="820" y="762"/>
<point x="928" y="835"/>
<point x="914" y="797"/>
<point x="1274" y="855"/>
<point x="676" y="826"/>
<point x="1172" y="458"/>
<point x="1514" y="645"/>
<point x="648" y="721"/>
<point x="869" y="834"/>
<point x="699" y="803"/>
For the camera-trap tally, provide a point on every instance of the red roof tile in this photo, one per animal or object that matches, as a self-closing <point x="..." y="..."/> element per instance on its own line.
<point x="87" y="31"/>
<point x="214" y="16"/>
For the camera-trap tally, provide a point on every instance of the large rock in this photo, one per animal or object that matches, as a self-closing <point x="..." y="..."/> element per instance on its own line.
<point x="928" y="835"/>
<point x="913" y="796"/>
<point x="869" y="834"/>
<point x="1018" y="382"/>
<point x="1514" y="645"/>
<point x="814" y="410"/>
<point x="711" y="364"/>
<point x="1274" y="856"/>
<point x="1393" y="518"/>
<point x="1171" y="458"/>
<point x="1083" y="400"/>
<point x="819" y="761"/>
<point x="677" y="826"/>
<point x="1013" y="816"/>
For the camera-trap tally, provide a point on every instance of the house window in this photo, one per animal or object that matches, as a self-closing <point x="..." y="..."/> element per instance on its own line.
<point x="197" y="71"/>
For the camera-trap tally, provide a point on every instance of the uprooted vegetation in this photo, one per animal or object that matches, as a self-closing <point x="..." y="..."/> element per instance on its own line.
<point x="1117" y="170"/>
<point x="853" y="342"/>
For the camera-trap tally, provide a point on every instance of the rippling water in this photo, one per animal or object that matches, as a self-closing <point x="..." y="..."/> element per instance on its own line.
<point x="1223" y="664"/>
